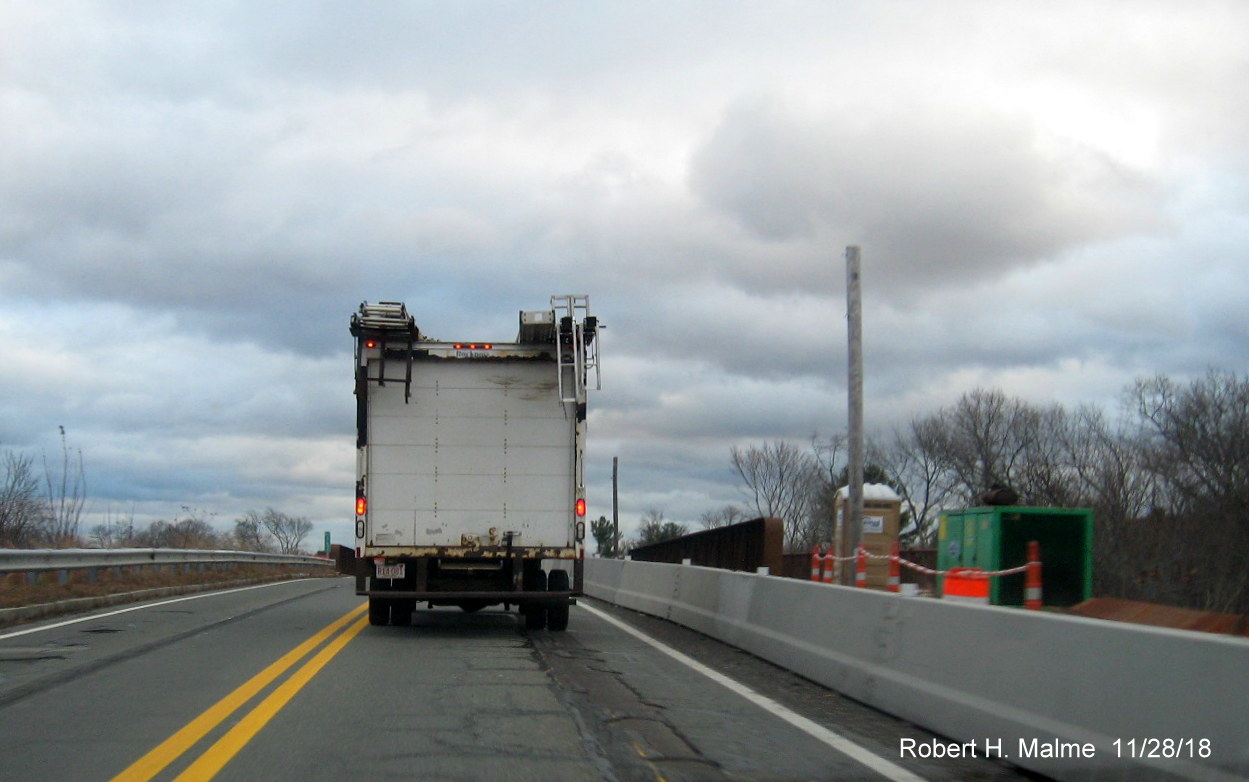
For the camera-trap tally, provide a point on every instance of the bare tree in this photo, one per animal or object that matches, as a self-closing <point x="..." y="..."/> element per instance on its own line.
<point x="115" y="532"/>
<point x="21" y="512"/>
<point x="781" y="481"/>
<point x="288" y="531"/>
<point x="1197" y="447"/>
<point x="722" y="517"/>
<point x="191" y="531"/>
<point x="982" y="440"/>
<point x="154" y="536"/>
<point x="830" y="474"/>
<point x="250" y="534"/>
<point x="1106" y="468"/>
<point x="1044" y="475"/>
<point x="1199" y="438"/>
<point x="655" y="528"/>
<point x="919" y="475"/>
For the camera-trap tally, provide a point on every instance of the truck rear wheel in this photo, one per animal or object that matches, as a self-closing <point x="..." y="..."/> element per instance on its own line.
<point x="401" y="612"/>
<point x="379" y="611"/>
<point x="557" y="615"/>
<point x="534" y="580"/>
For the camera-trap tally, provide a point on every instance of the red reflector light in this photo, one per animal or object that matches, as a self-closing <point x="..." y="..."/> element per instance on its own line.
<point x="361" y="506"/>
<point x="370" y="344"/>
<point x="580" y="507"/>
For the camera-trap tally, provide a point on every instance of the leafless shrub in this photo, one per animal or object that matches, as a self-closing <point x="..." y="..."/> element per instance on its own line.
<point x="781" y="481"/>
<point x="22" y="512"/>
<point x="66" y="496"/>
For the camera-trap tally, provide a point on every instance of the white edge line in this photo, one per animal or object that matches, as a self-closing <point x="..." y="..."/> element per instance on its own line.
<point x="885" y="768"/>
<point x="141" y="607"/>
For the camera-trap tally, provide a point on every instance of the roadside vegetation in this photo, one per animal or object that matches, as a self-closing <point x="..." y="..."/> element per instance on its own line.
<point x="42" y="504"/>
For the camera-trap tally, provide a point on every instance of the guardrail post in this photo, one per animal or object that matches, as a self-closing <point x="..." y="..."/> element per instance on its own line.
<point x="860" y="569"/>
<point x="1032" y="586"/>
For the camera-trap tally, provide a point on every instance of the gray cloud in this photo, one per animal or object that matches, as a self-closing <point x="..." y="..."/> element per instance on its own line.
<point x="940" y="196"/>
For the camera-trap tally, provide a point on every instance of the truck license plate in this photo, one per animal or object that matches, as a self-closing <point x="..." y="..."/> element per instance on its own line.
<point x="390" y="571"/>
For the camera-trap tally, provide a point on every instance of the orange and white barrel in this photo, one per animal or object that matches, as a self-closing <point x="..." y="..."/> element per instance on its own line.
<point x="1032" y="597"/>
<point x="895" y="571"/>
<point x="966" y="585"/>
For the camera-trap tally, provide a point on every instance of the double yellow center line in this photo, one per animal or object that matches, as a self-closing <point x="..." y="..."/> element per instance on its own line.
<point x="215" y="757"/>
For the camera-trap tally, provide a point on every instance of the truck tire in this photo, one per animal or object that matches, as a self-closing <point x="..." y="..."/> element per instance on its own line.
<point x="401" y="612"/>
<point x="557" y="615"/>
<point x="379" y="611"/>
<point x="534" y="580"/>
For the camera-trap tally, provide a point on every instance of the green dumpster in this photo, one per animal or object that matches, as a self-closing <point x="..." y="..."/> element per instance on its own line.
<point x="996" y="538"/>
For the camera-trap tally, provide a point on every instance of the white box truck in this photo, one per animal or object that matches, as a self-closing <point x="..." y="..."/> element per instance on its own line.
<point x="470" y="488"/>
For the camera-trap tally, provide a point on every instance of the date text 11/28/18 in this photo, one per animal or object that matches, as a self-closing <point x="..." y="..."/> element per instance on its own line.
<point x="1162" y="749"/>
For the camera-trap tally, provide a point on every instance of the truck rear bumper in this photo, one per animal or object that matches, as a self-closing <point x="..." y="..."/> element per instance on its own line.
<point x="516" y="598"/>
<point x="485" y="552"/>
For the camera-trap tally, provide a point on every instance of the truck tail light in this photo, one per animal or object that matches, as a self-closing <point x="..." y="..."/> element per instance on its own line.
<point x="361" y="506"/>
<point x="580" y="507"/>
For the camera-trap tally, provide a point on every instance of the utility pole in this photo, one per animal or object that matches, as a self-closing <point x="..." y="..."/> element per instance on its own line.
<point x="615" y="505"/>
<point x="853" y="530"/>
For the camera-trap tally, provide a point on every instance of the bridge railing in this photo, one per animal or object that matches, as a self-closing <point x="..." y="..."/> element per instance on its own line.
<point x="746" y="546"/>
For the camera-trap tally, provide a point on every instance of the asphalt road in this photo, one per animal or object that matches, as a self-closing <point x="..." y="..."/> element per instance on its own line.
<point x="289" y="682"/>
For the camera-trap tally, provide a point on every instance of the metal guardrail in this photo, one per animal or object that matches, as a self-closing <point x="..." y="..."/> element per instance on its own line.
<point x="36" y="560"/>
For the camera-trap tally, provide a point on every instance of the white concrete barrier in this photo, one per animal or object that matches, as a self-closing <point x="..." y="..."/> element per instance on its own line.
<point x="1071" y="698"/>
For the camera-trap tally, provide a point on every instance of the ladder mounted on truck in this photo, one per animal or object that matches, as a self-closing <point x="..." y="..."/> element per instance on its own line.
<point x="381" y="326"/>
<point x="576" y="348"/>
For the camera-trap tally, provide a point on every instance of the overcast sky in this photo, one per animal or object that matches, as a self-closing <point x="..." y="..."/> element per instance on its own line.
<point x="1051" y="198"/>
